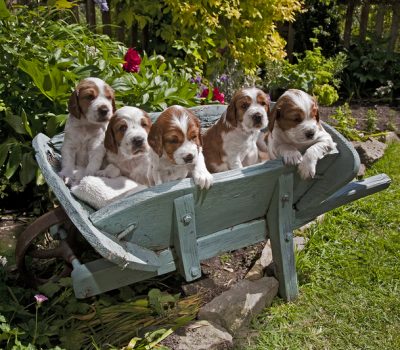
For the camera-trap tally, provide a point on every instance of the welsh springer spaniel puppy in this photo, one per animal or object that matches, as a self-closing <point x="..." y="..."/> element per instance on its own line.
<point x="127" y="150"/>
<point x="90" y="108"/>
<point x="176" y="148"/>
<point x="295" y="132"/>
<point x="231" y="142"/>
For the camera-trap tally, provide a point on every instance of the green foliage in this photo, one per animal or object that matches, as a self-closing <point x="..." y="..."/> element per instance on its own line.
<point x="345" y="123"/>
<point x="195" y="31"/>
<point x="372" y="117"/>
<point x="312" y="73"/>
<point x="156" y="86"/>
<point x="109" y="320"/>
<point x="371" y="70"/>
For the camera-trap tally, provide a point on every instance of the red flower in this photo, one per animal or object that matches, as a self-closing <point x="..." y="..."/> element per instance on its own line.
<point x="132" y="61"/>
<point x="204" y="93"/>
<point x="218" y="96"/>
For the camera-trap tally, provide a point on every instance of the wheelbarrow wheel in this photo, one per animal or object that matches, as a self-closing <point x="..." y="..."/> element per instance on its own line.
<point x="39" y="252"/>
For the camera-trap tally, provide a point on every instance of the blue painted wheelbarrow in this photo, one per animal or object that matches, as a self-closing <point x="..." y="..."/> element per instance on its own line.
<point x="174" y="226"/>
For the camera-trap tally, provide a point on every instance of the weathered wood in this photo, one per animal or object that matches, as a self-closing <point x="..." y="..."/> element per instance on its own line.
<point x="280" y="218"/>
<point x="364" y="20"/>
<point x="185" y="241"/>
<point x="290" y="42"/>
<point x="90" y="14"/>
<point x="379" y="19"/>
<point x="106" y="19"/>
<point x="348" y="23"/>
<point x="394" y="29"/>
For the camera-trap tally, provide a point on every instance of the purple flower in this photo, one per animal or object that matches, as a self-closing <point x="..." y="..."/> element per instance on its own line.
<point x="223" y="78"/>
<point x="103" y="5"/>
<point x="40" y="298"/>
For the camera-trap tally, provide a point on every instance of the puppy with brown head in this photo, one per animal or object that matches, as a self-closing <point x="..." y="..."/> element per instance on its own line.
<point x="90" y="107"/>
<point x="231" y="142"/>
<point x="176" y="145"/>
<point x="127" y="150"/>
<point x="294" y="129"/>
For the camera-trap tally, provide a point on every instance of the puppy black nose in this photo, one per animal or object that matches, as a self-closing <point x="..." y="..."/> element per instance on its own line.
<point x="188" y="158"/>
<point x="257" y="117"/>
<point x="137" y="141"/>
<point x="103" y="110"/>
<point x="310" y="134"/>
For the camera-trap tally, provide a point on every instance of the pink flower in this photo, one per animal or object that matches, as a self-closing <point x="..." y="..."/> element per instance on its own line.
<point x="218" y="96"/>
<point x="132" y="61"/>
<point x="40" y="298"/>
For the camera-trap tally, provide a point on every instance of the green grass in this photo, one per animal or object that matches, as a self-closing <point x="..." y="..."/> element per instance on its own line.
<point x="349" y="276"/>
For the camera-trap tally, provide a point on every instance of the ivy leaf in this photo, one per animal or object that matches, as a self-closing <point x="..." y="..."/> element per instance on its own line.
<point x="15" y="122"/>
<point x="4" y="148"/>
<point x="26" y="123"/>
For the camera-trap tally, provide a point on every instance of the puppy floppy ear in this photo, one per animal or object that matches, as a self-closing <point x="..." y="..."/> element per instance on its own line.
<point x="155" y="139"/>
<point x="198" y="125"/>
<point x="109" y="140"/>
<point x="73" y="105"/>
<point x="273" y="116"/>
<point x="315" y="110"/>
<point x="231" y="113"/>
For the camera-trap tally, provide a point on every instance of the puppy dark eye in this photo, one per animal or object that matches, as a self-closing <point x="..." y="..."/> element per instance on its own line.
<point x="245" y="105"/>
<point x="109" y="98"/>
<point x="89" y="97"/>
<point x="263" y="103"/>
<point x="144" y="124"/>
<point x="193" y="138"/>
<point x="123" y="128"/>
<point x="298" y="120"/>
<point x="174" y="140"/>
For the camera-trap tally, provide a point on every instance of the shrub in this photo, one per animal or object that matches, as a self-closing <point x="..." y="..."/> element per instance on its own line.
<point x="312" y="73"/>
<point x="345" y="123"/>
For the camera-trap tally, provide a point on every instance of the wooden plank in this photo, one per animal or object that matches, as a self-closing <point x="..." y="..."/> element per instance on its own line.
<point x="394" y="28"/>
<point x="348" y="23"/>
<point x="232" y="238"/>
<point x="364" y="20"/>
<point x="237" y="196"/>
<point x="349" y="193"/>
<point x="185" y="242"/>
<point x="280" y="225"/>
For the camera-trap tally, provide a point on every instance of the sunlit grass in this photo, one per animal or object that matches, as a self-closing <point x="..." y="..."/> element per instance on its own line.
<point x="349" y="275"/>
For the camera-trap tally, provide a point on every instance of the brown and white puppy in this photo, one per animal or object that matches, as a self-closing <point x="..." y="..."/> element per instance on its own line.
<point x="90" y="107"/>
<point x="127" y="150"/>
<point x="176" y="145"/>
<point x="296" y="134"/>
<point x="231" y="142"/>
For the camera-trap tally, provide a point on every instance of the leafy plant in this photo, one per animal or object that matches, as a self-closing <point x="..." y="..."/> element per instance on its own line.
<point x="345" y="122"/>
<point x="312" y="73"/>
<point x="371" y="120"/>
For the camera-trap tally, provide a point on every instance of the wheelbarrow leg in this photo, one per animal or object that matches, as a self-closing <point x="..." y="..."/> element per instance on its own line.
<point x="280" y="226"/>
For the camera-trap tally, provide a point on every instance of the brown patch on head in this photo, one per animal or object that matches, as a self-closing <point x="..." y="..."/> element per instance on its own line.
<point x="166" y="135"/>
<point x="264" y="100"/>
<point x="109" y="94"/>
<point x="315" y="110"/>
<point x="146" y="122"/>
<point x="237" y="107"/>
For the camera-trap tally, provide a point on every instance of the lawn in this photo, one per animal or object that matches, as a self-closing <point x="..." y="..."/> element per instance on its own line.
<point x="349" y="276"/>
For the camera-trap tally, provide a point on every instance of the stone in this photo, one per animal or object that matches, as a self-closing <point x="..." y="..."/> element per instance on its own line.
<point x="389" y="137"/>
<point x="370" y="151"/>
<point x="257" y="271"/>
<point x="361" y="171"/>
<point x="299" y="243"/>
<point x="234" y="308"/>
<point x="199" y="335"/>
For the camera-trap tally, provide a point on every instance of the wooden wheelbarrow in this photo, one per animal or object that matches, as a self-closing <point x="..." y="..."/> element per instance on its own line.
<point x="174" y="226"/>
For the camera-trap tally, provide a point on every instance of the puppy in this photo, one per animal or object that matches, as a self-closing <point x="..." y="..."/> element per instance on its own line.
<point x="90" y="108"/>
<point x="294" y="128"/>
<point x="231" y="142"/>
<point x="127" y="150"/>
<point x="176" y="148"/>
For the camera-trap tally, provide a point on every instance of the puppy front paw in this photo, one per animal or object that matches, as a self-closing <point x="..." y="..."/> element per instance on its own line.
<point x="203" y="178"/>
<point x="109" y="171"/>
<point x="292" y="157"/>
<point x="306" y="169"/>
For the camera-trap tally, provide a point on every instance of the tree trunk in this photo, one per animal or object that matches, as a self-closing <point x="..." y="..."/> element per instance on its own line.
<point x="394" y="30"/>
<point x="348" y="23"/>
<point x="290" y="42"/>
<point x="90" y="14"/>
<point x="380" y="16"/>
<point x="106" y="19"/>
<point x="121" y="26"/>
<point x="364" y="20"/>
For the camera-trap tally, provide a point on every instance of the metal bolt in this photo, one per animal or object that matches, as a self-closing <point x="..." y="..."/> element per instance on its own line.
<point x="186" y="219"/>
<point x="285" y="198"/>
<point x="288" y="236"/>
<point x="194" y="271"/>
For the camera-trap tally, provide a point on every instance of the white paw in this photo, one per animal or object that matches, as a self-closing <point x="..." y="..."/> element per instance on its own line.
<point x="306" y="169"/>
<point x="292" y="157"/>
<point x="109" y="171"/>
<point x="203" y="178"/>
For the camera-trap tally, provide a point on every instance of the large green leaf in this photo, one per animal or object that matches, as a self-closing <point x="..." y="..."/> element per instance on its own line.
<point x="28" y="169"/>
<point x="15" y="122"/>
<point x="4" y="13"/>
<point x="4" y="148"/>
<point x="14" y="161"/>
